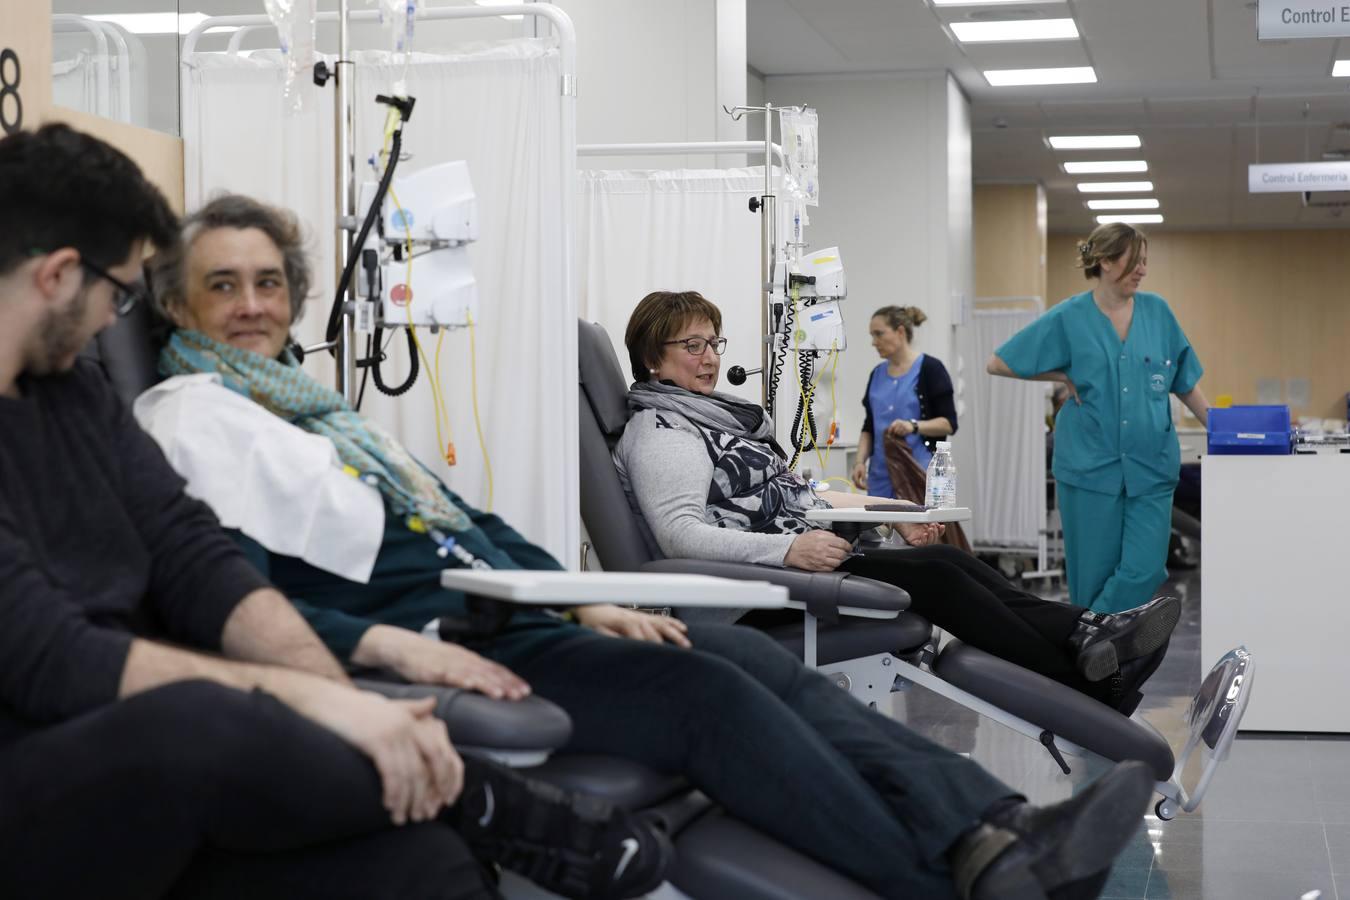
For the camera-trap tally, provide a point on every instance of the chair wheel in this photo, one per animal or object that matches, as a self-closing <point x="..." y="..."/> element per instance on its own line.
<point x="1165" y="810"/>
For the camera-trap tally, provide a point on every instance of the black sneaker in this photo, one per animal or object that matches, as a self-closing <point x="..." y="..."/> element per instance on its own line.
<point x="571" y="844"/>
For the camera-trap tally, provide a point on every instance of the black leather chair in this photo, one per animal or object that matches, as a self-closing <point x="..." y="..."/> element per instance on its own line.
<point x="1061" y="718"/>
<point x="716" y="855"/>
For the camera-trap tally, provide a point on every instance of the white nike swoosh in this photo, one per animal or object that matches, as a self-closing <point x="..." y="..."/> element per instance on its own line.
<point x="630" y="849"/>
<point x="491" y="806"/>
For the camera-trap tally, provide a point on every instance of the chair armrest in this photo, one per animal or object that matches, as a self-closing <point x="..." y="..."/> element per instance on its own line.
<point x="526" y="729"/>
<point x="651" y="588"/>
<point x="826" y="595"/>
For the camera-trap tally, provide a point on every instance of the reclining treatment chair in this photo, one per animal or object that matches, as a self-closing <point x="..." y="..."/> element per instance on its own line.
<point x="716" y="856"/>
<point x="1059" y="717"/>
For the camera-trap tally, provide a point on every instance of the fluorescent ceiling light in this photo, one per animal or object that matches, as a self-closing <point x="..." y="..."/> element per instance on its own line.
<point x="1015" y="30"/>
<point x="157" y="23"/>
<point x="1116" y="187"/>
<point x="1103" y="167"/>
<point x="1132" y="219"/>
<point x="1341" y="69"/>
<point x="1124" y="203"/>
<point x="502" y="3"/>
<point x="1095" y="142"/>
<point x="1063" y="75"/>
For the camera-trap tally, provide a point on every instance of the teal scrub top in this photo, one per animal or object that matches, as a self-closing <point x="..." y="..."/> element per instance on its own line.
<point x="1121" y="435"/>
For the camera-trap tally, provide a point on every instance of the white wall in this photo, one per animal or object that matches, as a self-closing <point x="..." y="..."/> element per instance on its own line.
<point x="895" y="196"/>
<point x="658" y="71"/>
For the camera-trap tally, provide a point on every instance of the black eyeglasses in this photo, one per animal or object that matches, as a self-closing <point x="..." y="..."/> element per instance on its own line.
<point x="697" y="345"/>
<point x="127" y="296"/>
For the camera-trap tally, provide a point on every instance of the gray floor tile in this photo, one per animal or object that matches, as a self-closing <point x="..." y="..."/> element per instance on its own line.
<point x="1126" y="883"/>
<point x="1211" y="884"/>
<point x="1338" y="845"/>
<point x="1292" y="847"/>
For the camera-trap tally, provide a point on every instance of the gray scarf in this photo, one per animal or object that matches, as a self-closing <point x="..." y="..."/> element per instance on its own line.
<point x="720" y="412"/>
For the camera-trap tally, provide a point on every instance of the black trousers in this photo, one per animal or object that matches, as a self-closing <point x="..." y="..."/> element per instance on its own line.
<point x="196" y="790"/>
<point x="974" y="602"/>
<point x="774" y="743"/>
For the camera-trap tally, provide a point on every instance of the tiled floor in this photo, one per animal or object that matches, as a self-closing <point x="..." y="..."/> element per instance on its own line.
<point x="1275" y="824"/>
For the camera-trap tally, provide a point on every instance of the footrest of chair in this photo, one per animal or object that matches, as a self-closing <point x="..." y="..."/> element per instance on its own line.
<point x="1057" y="708"/>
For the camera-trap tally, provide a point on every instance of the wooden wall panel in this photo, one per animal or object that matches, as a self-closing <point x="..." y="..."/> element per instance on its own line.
<point x="1255" y="304"/>
<point x="159" y="155"/>
<point x="1010" y="240"/>
<point x="26" y="32"/>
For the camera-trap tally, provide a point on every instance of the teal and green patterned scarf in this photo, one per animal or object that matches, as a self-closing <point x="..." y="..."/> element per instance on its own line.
<point x="282" y="388"/>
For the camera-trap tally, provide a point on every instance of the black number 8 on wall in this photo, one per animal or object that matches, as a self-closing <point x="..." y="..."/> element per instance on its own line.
<point x="11" y="105"/>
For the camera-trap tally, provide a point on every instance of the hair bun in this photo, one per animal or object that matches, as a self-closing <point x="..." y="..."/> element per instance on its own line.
<point x="1085" y="249"/>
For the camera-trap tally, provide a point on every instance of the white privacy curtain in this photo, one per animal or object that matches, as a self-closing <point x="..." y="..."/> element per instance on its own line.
<point x="1001" y="456"/>
<point x="497" y="107"/>
<point x="640" y="231"/>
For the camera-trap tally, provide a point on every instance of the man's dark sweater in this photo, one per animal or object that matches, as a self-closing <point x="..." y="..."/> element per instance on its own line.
<point x="98" y="543"/>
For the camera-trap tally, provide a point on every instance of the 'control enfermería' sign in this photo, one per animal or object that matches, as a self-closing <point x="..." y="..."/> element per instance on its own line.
<point x="1283" y="19"/>
<point x="1298" y="178"/>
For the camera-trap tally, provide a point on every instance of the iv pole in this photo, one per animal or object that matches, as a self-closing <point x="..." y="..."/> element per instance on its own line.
<point x="768" y="240"/>
<point x="344" y="170"/>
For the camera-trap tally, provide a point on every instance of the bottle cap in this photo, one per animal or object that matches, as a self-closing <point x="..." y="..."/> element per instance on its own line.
<point x="944" y="445"/>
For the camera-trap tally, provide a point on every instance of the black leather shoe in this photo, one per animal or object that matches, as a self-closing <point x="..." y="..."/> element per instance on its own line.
<point x="1103" y="642"/>
<point x="1125" y="684"/>
<point x="572" y="844"/>
<point x="1024" y="852"/>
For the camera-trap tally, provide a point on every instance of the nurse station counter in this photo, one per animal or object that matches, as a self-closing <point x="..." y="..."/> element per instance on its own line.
<point x="1275" y="570"/>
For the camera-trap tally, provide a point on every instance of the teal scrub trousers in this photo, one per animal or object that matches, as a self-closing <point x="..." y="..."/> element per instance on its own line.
<point x="1115" y="546"/>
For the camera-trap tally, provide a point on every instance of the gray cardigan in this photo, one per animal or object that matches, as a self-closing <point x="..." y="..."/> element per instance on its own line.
<point x="666" y="471"/>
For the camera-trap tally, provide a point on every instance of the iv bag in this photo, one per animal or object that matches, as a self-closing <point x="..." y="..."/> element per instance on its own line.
<point x="398" y="16"/>
<point x="294" y="20"/>
<point x="800" y="154"/>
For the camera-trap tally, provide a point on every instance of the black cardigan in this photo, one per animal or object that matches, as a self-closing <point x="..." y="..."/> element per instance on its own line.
<point x="937" y="398"/>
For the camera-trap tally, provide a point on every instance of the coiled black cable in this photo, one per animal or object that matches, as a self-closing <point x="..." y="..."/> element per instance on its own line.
<point x="375" y="362"/>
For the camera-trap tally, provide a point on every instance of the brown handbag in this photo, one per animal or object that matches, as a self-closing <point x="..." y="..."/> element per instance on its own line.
<point x="909" y="481"/>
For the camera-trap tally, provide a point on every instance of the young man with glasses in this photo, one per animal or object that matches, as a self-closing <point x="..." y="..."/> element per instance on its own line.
<point x="169" y="725"/>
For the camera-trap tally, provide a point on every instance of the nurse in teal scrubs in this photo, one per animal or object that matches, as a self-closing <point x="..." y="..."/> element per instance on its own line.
<point x="1121" y="354"/>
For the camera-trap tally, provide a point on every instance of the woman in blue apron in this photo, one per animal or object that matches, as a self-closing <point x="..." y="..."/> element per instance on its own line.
<point x="1120" y="353"/>
<point x="909" y="394"/>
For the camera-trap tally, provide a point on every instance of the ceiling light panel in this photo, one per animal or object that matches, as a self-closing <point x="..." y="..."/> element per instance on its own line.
<point x="1095" y="142"/>
<point x="1116" y="187"/>
<point x="1124" y="203"/>
<point x="1015" y="30"/>
<point x="1103" y="167"/>
<point x="1341" y="69"/>
<point x="1062" y="75"/>
<point x="1132" y="219"/>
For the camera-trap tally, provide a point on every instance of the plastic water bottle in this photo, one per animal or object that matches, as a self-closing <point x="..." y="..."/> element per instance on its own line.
<point x="941" y="491"/>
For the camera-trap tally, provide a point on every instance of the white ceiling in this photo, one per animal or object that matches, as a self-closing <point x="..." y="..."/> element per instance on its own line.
<point x="1188" y="76"/>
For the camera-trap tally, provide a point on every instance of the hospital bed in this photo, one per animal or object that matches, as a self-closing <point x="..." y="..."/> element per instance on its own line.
<point x="856" y="630"/>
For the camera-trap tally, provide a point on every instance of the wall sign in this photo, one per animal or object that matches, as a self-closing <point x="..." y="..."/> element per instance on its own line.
<point x="1284" y="19"/>
<point x="1298" y="178"/>
<point x="11" y="104"/>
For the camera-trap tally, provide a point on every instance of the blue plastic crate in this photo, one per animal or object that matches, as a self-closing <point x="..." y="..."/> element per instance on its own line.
<point x="1257" y="430"/>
